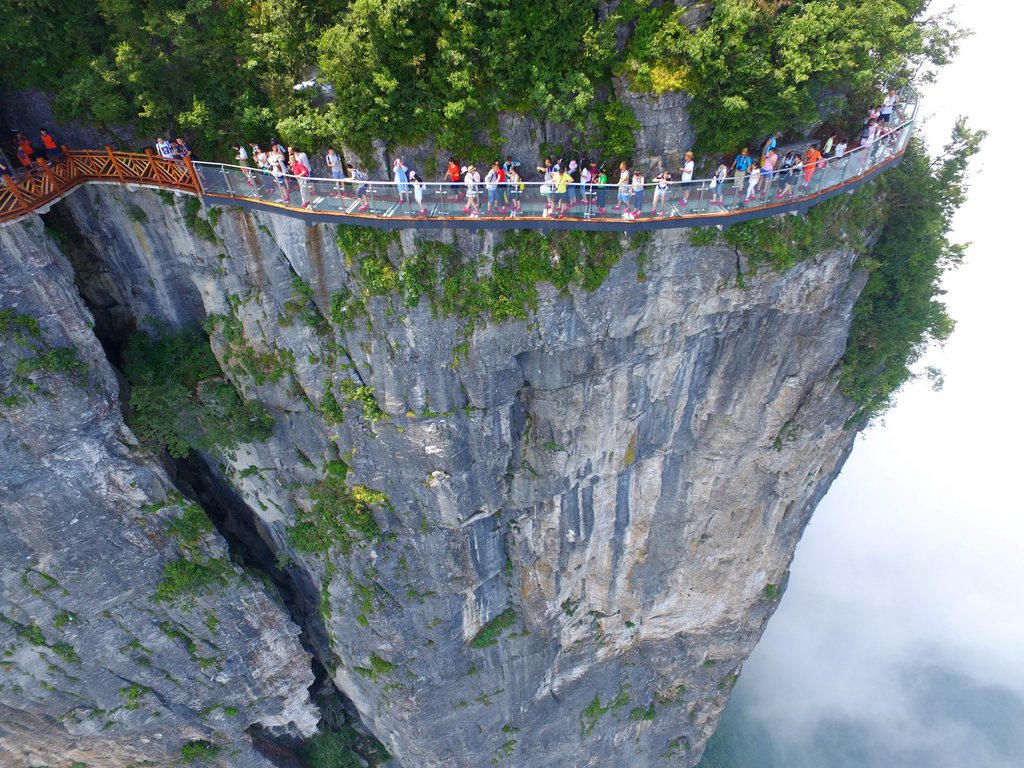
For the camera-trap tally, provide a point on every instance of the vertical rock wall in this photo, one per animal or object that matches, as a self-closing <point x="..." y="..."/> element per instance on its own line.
<point x="92" y="667"/>
<point x="589" y="514"/>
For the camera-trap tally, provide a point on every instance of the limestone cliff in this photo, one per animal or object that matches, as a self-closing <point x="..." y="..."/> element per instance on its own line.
<point x="585" y="517"/>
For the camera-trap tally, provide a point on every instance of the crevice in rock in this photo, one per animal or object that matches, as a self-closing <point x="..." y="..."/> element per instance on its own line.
<point x="249" y="539"/>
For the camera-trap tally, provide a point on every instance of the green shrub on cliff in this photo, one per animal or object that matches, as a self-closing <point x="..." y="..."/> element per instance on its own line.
<point x="899" y="312"/>
<point x="338" y="514"/>
<point x="180" y="400"/>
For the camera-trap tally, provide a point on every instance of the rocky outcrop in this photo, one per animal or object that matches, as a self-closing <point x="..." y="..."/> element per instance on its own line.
<point x="95" y="669"/>
<point x="586" y="516"/>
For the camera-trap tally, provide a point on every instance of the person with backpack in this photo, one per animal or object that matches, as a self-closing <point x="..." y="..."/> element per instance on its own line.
<point x="163" y="148"/>
<point x="494" y="181"/>
<point x="739" y="167"/>
<point x="718" y="184"/>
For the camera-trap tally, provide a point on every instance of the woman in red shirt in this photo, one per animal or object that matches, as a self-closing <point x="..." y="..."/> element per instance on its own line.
<point x="301" y="172"/>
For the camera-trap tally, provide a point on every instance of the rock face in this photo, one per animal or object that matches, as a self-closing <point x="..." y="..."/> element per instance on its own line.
<point x="94" y="668"/>
<point x="589" y="514"/>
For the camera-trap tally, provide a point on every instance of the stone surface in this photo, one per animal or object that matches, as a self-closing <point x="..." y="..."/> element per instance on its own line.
<point x="93" y="668"/>
<point x="628" y="471"/>
<point x="665" y="133"/>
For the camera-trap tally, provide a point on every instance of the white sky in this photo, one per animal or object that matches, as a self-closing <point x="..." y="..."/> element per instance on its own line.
<point x="918" y="550"/>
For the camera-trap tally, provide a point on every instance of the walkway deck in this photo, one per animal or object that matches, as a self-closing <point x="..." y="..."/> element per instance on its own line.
<point x="393" y="206"/>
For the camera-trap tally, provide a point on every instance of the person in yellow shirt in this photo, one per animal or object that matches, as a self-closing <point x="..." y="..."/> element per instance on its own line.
<point x="562" y="192"/>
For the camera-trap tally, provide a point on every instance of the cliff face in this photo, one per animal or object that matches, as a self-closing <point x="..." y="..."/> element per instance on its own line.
<point x="95" y="669"/>
<point x="586" y="516"/>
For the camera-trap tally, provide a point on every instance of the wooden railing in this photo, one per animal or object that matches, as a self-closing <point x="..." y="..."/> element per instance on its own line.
<point x="46" y="181"/>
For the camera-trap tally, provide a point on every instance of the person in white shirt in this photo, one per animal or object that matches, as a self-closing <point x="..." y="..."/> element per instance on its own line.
<point x="585" y="187"/>
<point x="164" y="148"/>
<point x="243" y="160"/>
<point x="472" y="181"/>
<point x="753" y="179"/>
<point x="686" y="176"/>
<point x="888" y="105"/>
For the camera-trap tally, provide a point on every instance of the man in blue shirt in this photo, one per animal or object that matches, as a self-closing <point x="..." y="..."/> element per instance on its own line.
<point x="739" y="167"/>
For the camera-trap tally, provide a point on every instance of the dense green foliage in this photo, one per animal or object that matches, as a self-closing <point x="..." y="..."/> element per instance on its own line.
<point x="180" y="400"/>
<point x="905" y="217"/>
<point x="453" y="285"/>
<point x="898" y="313"/>
<point x="764" y="65"/>
<point x="339" y="514"/>
<point x="340" y="749"/>
<point x="406" y="71"/>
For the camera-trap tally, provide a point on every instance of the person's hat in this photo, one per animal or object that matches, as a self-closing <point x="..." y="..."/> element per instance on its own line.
<point x="471" y="168"/>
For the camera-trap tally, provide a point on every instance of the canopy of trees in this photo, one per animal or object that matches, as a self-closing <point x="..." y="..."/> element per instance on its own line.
<point x="223" y="70"/>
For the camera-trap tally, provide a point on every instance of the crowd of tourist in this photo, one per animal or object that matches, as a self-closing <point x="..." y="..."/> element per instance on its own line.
<point x="499" y="190"/>
<point x="25" y="153"/>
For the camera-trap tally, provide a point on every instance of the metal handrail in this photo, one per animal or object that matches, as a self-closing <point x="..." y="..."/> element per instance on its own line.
<point x="523" y="204"/>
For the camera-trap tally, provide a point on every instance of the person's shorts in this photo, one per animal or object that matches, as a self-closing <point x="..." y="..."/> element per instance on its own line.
<point x="362" y="190"/>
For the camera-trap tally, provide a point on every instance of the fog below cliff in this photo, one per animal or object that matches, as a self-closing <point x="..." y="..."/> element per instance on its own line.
<point x="900" y="641"/>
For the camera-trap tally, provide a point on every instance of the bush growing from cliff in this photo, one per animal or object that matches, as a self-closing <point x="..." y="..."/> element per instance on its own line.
<point x="339" y="514"/>
<point x="179" y="399"/>
<point x="899" y="313"/>
<point x="332" y="749"/>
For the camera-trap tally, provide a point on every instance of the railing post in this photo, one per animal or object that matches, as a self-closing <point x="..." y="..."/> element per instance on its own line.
<point x="17" y="194"/>
<point x="113" y="162"/>
<point x="193" y="176"/>
<point x="47" y="172"/>
<point x="153" y="163"/>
